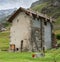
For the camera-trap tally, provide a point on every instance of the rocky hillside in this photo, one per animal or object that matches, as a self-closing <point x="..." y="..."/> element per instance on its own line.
<point x="50" y="8"/>
<point x="38" y="2"/>
<point x="4" y="14"/>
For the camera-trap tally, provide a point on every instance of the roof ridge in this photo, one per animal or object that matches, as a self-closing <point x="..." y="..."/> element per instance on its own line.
<point x="30" y="13"/>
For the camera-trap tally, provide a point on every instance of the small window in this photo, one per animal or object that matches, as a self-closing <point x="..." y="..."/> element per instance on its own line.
<point x="45" y="23"/>
<point x="17" y="20"/>
<point x="12" y="47"/>
<point x="17" y="49"/>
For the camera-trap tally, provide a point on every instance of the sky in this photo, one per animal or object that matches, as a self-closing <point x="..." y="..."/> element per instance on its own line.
<point x="8" y="4"/>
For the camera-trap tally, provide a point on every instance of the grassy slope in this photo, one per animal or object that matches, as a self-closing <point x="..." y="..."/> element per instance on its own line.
<point x="50" y="56"/>
<point x="39" y="7"/>
<point x="4" y="40"/>
<point x="47" y="5"/>
<point x="27" y="57"/>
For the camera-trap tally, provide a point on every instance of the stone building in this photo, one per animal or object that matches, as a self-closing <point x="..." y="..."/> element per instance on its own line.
<point x="30" y="31"/>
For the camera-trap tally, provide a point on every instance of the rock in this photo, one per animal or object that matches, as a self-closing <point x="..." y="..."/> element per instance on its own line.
<point x="37" y="55"/>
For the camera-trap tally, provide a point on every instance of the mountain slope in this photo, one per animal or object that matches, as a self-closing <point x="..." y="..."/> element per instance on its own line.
<point x="6" y="13"/>
<point x="50" y="8"/>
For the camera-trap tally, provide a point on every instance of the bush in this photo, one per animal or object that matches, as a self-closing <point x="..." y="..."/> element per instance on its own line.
<point x="58" y="36"/>
<point x="6" y="24"/>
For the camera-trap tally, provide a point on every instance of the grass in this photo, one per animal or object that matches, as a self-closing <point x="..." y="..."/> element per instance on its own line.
<point x="57" y="31"/>
<point x="4" y="40"/>
<point x="52" y="55"/>
<point x="58" y="20"/>
<point x="39" y="7"/>
<point x="58" y="42"/>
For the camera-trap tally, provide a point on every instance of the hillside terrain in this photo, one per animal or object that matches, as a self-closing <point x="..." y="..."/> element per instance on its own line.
<point x="50" y="8"/>
<point x="4" y="14"/>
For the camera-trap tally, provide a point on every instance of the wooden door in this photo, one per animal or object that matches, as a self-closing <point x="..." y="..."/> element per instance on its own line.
<point x="12" y="47"/>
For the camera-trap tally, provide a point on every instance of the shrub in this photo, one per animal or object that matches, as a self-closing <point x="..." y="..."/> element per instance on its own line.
<point x="58" y="36"/>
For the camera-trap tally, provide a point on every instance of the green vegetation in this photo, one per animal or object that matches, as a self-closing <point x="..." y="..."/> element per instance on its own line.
<point x="5" y="56"/>
<point x="4" y="40"/>
<point x="51" y="56"/>
<point x="58" y="21"/>
<point x="39" y="7"/>
<point x="58" y="36"/>
<point x="6" y="24"/>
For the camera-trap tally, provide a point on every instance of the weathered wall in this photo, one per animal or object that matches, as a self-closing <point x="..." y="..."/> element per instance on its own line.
<point x="36" y="35"/>
<point x="21" y="30"/>
<point x="47" y="36"/>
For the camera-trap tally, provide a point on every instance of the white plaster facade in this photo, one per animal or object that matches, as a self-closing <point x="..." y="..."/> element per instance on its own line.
<point x="20" y="30"/>
<point x="48" y="36"/>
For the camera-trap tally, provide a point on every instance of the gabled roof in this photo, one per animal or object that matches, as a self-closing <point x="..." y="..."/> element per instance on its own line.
<point x="29" y="13"/>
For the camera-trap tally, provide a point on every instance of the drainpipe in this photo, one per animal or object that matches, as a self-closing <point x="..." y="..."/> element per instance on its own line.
<point x="42" y="37"/>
